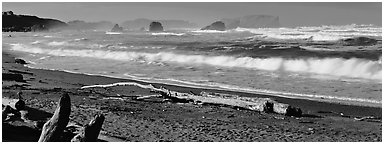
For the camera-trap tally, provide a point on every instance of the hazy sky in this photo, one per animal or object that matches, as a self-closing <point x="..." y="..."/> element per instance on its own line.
<point x="290" y="14"/>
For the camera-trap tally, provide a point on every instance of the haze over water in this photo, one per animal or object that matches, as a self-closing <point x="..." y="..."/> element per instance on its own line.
<point x="291" y="14"/>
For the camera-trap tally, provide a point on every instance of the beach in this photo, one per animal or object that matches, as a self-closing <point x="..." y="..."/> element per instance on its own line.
<point x="192" y="72"/>
<point x="127" y="119"/>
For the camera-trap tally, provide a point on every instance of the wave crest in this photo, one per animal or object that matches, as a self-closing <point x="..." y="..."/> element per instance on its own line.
<point x="323" y="33"/>
<point x="168" y="33"/>
<point x="112" y="33"/>
<point x="354" y="67"/>
<point x="55" y="43"/>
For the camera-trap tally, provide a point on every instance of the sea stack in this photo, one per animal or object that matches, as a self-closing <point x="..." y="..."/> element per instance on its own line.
<point x="219" y="26"/>
<point x="155" y="26"/>
<point x="117" y="28"/>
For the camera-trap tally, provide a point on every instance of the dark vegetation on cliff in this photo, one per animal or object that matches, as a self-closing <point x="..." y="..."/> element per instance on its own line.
<point x="25" y="23"/>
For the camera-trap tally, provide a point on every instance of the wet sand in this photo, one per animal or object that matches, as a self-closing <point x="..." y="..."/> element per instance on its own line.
<point x="153" y="120"/>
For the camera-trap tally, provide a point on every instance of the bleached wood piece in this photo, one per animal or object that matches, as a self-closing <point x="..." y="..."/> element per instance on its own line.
<point x="53" y="128"/>
<point x="91" y="131"/>
<point x="256" y="104"/>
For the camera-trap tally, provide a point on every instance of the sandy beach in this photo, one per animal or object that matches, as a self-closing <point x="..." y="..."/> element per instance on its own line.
<point x="152" y="120"/>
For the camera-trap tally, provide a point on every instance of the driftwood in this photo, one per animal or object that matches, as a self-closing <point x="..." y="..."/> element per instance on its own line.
<point x="9" y="110"/>
<point x="53" y="128"/>
<point x="13" y="107"/>
<point x="90" y="131"/>
<point x="19" y="72"/>
<point x="147" y="96"/>
<point x="13" y="77"/>
<point x="256" y="104"/>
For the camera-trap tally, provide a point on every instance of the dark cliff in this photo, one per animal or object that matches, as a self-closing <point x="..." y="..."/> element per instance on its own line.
<point x="25" y="23"/>
<point x="155" y="27"/>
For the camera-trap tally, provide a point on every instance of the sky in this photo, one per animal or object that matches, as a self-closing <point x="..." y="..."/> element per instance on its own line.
<point x="291" y="14"/>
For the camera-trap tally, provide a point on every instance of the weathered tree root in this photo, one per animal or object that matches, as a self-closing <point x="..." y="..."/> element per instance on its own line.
<point x="90" y="131"/>
<point x="53" y="128"/>
<point x="7" y="110"/>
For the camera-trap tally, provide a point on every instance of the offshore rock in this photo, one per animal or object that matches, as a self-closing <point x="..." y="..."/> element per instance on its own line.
<point x="117" y="28"/>
<point x="155" y="26"/>
<point x="219" y="26"/>
<point x="20" y="61"/>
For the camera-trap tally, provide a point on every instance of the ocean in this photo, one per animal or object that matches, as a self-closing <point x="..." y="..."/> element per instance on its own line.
<point x="302" y="62"/>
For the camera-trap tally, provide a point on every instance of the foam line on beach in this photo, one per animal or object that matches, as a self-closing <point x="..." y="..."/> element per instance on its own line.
<point x="324" y="98"/>
<point x="112" y="33"/>
<point x="256" y="91"/>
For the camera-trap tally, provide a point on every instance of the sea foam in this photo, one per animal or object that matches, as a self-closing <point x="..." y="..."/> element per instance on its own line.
<point x="210" y="31"/>
<point x="323" y="33"/>
<point x="168" y="33"/>
<point x="340" y="67"/>
<point x="55" y="43"/>
<point x="112" y="33"/>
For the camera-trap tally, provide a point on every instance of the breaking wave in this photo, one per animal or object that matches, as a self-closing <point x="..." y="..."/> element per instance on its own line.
<point x="168" y="33"/>
<point x="353" y="67"/>
<point x="36" y="42"/>
<point x="323" y="33"/>
<point x="210" y="31"/>
<point x="112" y="33"/>
<point x="80" y="39"/>
<point x="55" y="43"/>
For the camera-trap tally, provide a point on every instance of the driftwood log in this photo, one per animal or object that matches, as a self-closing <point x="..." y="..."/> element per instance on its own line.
<point x="13" y="77"/>
<point x="53" y="128"/>
<point x="256" y="104"/>
<point x="56" y="128"/>
<point x="90" y="131"/>
<point x="8" y="110"/>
